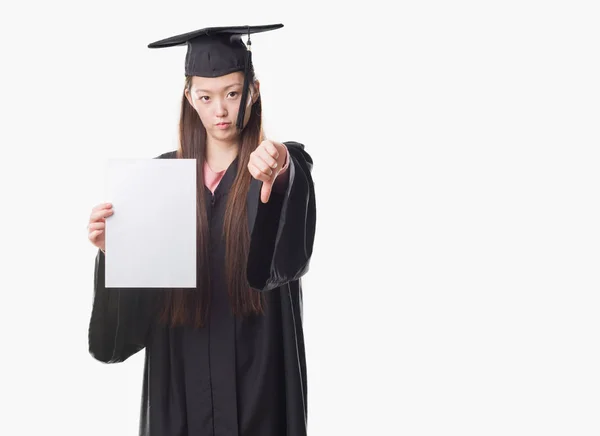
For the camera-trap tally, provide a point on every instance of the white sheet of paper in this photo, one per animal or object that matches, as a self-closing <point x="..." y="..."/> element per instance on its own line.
<point x="151" y="236"/>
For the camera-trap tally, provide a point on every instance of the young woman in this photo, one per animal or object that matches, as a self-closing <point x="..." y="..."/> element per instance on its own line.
<point x="226" y="358"/>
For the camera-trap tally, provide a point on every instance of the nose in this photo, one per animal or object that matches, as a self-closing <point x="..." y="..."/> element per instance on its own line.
<point x="221" y="110"/>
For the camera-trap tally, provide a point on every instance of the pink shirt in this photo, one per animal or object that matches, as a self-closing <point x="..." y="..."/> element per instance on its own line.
<point x="212" y="178"/>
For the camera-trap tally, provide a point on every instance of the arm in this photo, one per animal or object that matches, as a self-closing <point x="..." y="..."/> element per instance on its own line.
<point x="282" y="237"/>
<point x="281" y="182"/>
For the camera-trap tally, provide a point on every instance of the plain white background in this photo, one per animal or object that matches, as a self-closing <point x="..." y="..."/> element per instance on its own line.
<point x="454" y="288"/>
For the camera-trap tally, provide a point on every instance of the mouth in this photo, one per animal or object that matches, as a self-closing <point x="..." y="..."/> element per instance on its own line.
<point x="223" y="125"/>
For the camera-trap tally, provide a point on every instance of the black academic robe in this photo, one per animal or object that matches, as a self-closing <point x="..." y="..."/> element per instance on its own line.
<point x="234" y="377"/>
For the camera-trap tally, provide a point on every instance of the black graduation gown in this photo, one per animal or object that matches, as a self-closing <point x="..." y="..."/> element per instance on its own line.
<point x="233" y="377"/>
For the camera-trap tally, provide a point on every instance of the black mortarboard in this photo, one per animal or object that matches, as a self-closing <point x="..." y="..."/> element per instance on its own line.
<point x="217" y="51"/>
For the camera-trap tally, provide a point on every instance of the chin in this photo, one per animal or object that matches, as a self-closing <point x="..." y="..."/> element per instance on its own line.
<point x="230" y="133"/>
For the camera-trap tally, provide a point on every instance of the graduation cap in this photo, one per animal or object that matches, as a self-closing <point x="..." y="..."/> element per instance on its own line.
<point x="217" y="51"/>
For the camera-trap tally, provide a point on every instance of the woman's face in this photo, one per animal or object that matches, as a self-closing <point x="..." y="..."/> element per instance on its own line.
<point x="217" y="102"/>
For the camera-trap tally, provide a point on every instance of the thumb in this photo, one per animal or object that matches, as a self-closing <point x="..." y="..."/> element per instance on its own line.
<point x="265" y="192"/>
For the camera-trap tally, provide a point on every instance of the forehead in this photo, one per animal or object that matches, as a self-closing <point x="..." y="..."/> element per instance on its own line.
<point x="217" y="83"/>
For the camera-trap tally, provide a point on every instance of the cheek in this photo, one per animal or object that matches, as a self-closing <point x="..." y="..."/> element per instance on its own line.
<point x="203" y="113"/>
<point x="233" y="108"/>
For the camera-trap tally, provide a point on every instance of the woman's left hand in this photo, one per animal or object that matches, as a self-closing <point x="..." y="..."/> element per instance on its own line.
<point x="266" y="163"/>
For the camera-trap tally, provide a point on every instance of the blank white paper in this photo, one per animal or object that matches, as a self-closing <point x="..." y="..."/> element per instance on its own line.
<point x="151" y="236"/>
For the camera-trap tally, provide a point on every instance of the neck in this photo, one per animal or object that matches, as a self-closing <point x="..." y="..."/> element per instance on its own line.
<point x="220" y="154"/>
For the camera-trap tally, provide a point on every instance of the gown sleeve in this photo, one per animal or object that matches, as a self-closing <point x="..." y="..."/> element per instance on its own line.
<point x="282" y="236"/>
<point x="120" y="319"/>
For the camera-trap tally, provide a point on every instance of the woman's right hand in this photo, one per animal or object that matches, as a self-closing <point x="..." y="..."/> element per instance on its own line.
<point x="97" y="225"/>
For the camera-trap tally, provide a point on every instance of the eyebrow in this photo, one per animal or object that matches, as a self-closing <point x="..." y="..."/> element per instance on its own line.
<point x="227" y="87"/>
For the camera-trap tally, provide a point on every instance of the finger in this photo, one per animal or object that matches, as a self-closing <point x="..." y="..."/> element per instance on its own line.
<point x="265" y="192"/>
<point x="99" y="225"/>
<point x="93" y="236"/>
<point x="265" y="163"/>
<point x="102" y="213"/>
<point x="102" y="206"/>
<point x="271" y="149"/>
<point x="267" y="158"/>
<point x="257" y="173"/>
<point x="257" y="161"/>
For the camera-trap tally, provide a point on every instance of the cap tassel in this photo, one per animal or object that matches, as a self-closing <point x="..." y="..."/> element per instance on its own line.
<point x="242" y="111"/>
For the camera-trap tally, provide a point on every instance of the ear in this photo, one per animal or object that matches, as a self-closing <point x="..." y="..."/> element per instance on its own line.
<point x="189" y="98"/>
<point x="256" y="92"/>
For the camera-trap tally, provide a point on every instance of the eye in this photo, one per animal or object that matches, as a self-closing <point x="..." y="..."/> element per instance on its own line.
<point x="204" y="98"/>
<point x="233" y="94"/>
